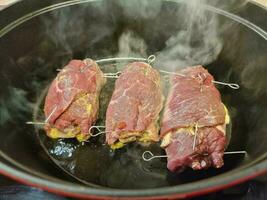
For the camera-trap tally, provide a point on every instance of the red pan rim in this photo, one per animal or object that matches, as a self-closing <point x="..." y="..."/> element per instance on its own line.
<point x="174" y="192"/>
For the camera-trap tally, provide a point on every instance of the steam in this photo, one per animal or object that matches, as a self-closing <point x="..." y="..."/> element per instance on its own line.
<point x="73" y="36"/>
<point x="14" y="102"/>
<point x="195" y="40"/>
<point x="131" y="44"/>
<point x="197" y="43"/>
<point x="57" y="34"/>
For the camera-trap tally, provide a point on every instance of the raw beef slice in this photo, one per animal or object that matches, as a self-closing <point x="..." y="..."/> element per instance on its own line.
<point x="74" y="98"/>
<point x="135" y="105"/>
<point x="194" y="121"/>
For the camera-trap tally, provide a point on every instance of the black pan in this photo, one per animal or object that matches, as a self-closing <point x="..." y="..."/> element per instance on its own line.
<point x="37" y="38"/>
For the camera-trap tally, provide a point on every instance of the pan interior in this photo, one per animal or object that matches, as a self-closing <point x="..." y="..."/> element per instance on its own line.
<point x="94" y="30"/>
<point x="94" y="163"/>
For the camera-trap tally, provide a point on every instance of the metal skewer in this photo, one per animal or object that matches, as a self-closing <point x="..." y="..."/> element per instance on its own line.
<point x="235" y="152"/>
<point x="127" y="59"/>
<point x="50" y="115"/>
<point x="148" y="155"/>
<point x="46" y="120"/>
<point x="98" y="128"/>
<point x="112" y="75"/>
<point x="231" y="85"/>
<point x="90" y="129"/>
<point x="150" y="60"/>
<point x="36" y="123"/>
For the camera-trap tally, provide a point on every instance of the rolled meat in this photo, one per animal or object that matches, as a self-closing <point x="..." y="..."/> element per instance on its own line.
<point x="134" y="108"/>
<point x="194" y="121"/>
<point x="72" y="101"/>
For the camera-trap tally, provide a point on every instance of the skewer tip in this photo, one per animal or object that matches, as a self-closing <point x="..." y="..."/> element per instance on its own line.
<point x="234" y="86"/>
<point x="151" y="59"/>
<point x="230" y="85"/>
<point x="98" y="128"/>
<point x="147" y="156"/>
<point x="36" y="123"/>
<point x="235" y="152"/>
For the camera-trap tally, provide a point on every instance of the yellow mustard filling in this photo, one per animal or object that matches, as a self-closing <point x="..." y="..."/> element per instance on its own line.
<point x="227" y="117"/>
<point x="117" y="145"/>
<point x="145" y="138"/>
<point x="82" y="137"/>
<point x="55" y="133"/>
<point x="82" y="101"/>
<point x="191" y="129"/>
<point x="88" y="108"/>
